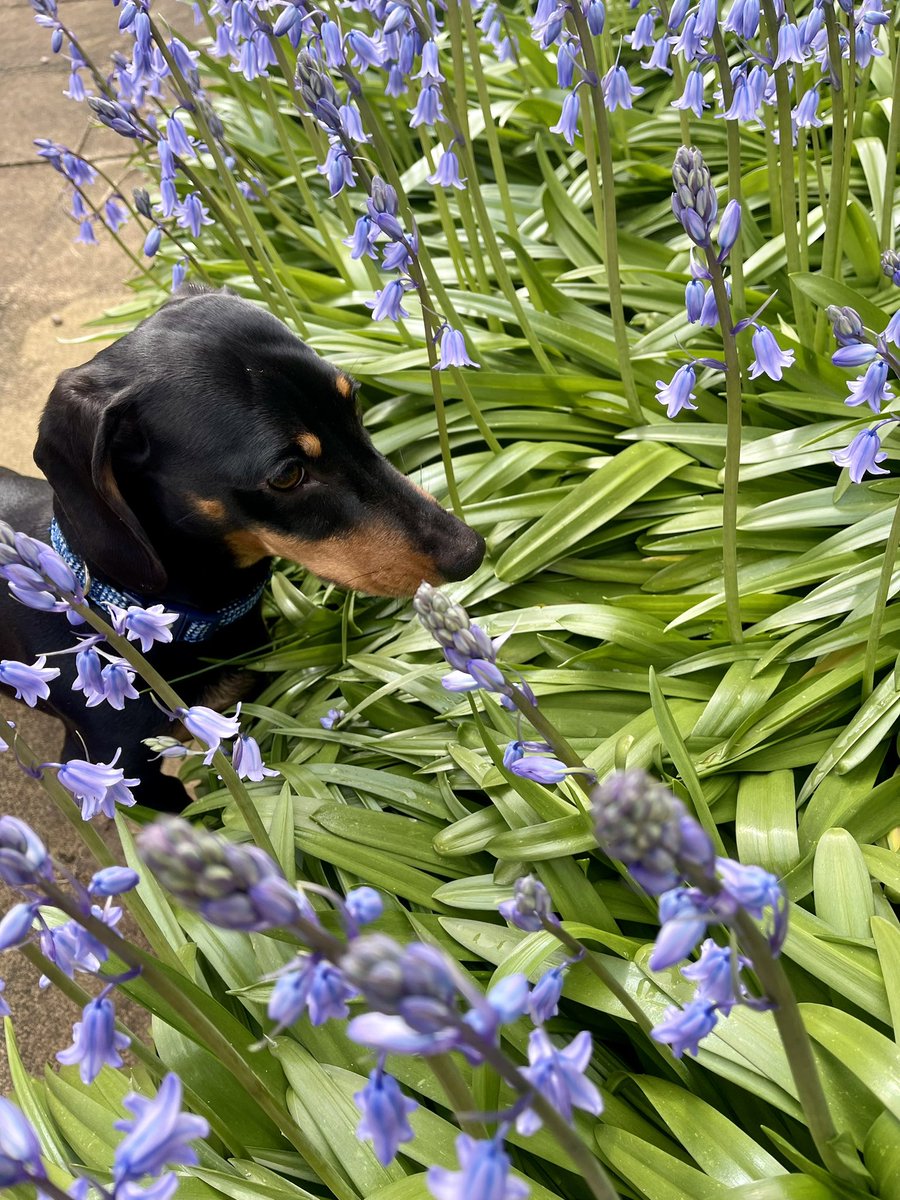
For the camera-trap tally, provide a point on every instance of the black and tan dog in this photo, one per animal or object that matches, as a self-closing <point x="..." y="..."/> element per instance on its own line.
<point x="180" y="460"/>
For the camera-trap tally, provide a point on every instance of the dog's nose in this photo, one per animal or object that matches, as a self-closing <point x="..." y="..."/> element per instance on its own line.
<point x="461" y="555"/>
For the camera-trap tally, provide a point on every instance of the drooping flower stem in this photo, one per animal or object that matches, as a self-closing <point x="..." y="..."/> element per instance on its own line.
<point x="458" y="1092"/>
<point x="173" y="701"/>
<point x="788" y="188"/>
<point x="255" y="233"/>
<point x="565" y="1134"/>
<point x="207" y="1034"/>
<point x="611" y="233"/>
<point x="834" y="211"/>
<point x="732" y="451"/>
<point x="484" y="100"/>
<point x="891" y="151"/>
<point x="578" y="950"/>
<point x="881" y="597"/>
<point x="735" y="179"/>
<point x="797" y="1046"/>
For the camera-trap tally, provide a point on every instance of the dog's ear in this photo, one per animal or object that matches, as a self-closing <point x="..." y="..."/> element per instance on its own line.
<point x="84" y="429"/>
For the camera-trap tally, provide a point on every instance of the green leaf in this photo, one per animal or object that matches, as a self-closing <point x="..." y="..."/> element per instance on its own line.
<point x="866" y="1053"/>
<point x="624" y="479"/>
<point x="766" y="821"/>
<point x="841" y="883"/>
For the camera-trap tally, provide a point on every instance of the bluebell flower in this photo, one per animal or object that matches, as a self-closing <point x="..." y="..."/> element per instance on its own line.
<point x="446" y="174"/>
<point x="118" y="680"/>
<point x="543" y="1003"/>
<point x="729" y="228"/>
<point x="806" y="114"/>
<point x="755" y="890"/>
<point x="744" y="100"/>
<point x="790" y="46"/>
<point x="16" y="924"/>
<point x="86" y="235"/>
<point x="565" y="63"/>
<point x="177" y="138"/>
<point x="717" y="976"/>
<point x="192" y="214"/>
<point x="567" y="124"/>
<point x="618" y="90"/>
<point x="453" y="350"/>
<point x="385" y="1115"/>
<point x="5" y="1011"/>
<point x="677" y="12"/>
<point x="362" y="240"/>
<point x="20" y="1150"/>
<point x="316" y="985"/>
<point x="157" y="1136"/>
<point x="113" y="881"/>
<point x="208" y="726"/>
<point x="872" y="388"/>
<point x="428" y="110"/>
<point x="678" y="393"/>
<point x="366" y="52"/>
<point x="387" y="304"/>
<point x="855" y="354"/>
<point x="98" y="786"/>
<point x="684" y="914"/>
<point x="152" y="241"/>
<point x="694" y="296"/>
<point x="692" y="96"/>
<point x="659" y="57"/>
<point x="529" y="907"/>
<point x="144" y="625"/>
<point x="540" y="769"/>
<point x="595" y="15"/>
<point x="642" y="37"/>
<point x="694" y="200"/>
<point x="23" y="856"/>
<point x="247" y="760"/>
<point x="364" y="904"/>
<point x="743" y="18"/>
<point x="558" y="1075"/>
<point x="95" y="1041"/>
<point x="685" y="1028"/>
<point x="333" y="716"/>
<point x="114" y="213"/>
<point x="484" y="1173"/>
<point x="29" y="682"/>
<point x="689" y="44"/>
<point x="863" y="455"/>
<point x="429" y="69"/>
<point x="770" y="358"/>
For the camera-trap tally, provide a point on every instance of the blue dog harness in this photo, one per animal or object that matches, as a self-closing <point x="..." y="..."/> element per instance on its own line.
<point x="191" y="626"/>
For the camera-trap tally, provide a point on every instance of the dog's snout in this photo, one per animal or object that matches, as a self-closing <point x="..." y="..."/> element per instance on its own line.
<point x="461" y="554"/>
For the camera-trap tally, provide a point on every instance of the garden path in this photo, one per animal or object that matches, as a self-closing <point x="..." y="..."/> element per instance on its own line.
<point x="49" y="289"/>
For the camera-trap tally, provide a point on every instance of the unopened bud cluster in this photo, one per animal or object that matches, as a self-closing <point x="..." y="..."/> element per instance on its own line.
<point x="452" y="628"/>
<point x="694" y="199"/>
<point x="638" y="821"/>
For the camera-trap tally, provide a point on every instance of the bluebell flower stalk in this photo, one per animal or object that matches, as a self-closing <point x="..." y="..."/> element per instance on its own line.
<point x="660" y="843"/>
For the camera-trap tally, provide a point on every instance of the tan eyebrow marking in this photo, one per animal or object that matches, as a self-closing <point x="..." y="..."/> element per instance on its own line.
<point x="208" y="506"/>
<point x="309" y="444"/>
<point x="344" y="385"/>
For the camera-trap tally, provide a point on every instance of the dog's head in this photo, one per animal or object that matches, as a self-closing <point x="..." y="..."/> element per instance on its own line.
<point x="211" y="423"/>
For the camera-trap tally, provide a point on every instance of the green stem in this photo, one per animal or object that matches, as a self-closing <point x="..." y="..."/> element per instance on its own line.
<point x="610" y="224"/>
<point x="834" y="210"/>
<point x="881" y="597"/>
<point x="732" y="452"/>
<point x="890" y="170"/>
<point x="458" y="1092"/>
<point x="787" y="187"/>
<point x="609" y="981"/>
<point x="797" y="1046"/>
<point x="173" y="702"/>
<point x="735" y="179"/>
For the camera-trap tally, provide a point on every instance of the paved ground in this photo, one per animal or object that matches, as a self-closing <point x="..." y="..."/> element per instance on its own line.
<point x="49" y="289"/>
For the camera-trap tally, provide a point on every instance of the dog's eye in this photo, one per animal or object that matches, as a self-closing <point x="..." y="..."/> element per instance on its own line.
<point x="287" y="478"/>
